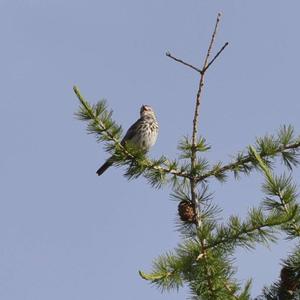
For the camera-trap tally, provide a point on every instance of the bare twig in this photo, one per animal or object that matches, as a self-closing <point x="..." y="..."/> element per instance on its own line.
<point x="201" y="83"/>
<point x="183" y="62"/>
<point x="195" y="68"/>
<point x="193" y="181"/>
<point x="215" y="57"/>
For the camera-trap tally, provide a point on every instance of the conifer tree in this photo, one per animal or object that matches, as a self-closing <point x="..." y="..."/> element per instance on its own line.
<point x="204" y="259"/>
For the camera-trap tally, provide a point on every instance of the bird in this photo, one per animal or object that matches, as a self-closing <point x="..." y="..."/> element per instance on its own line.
<point x="143" y="134"/>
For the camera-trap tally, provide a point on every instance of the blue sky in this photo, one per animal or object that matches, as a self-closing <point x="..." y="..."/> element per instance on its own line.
<point x="67" y="234"/>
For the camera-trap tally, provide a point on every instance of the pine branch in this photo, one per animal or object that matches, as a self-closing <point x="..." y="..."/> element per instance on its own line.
<point x="87" y="113"/>
<point x="283" y="189"/>
<point x="247" y="233"/>
<point x="244" y="161"/>
<point x="97" y="126"/>
<point x="171" y="270"/>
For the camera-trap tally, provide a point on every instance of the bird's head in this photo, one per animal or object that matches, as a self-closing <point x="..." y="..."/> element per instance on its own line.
<point x="147" y="110"/>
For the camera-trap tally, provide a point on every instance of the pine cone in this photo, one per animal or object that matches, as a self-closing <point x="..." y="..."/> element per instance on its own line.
<point x="186" y="211"/>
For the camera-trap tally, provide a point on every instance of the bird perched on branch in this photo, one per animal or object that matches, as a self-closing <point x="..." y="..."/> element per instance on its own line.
<point x="143" y="134"/>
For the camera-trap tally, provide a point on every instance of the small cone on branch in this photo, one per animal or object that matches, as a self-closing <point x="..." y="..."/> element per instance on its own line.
<point x="186" y="211"/>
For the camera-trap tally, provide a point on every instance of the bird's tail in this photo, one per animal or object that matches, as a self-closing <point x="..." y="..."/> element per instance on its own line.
<point x="104" y="167"/>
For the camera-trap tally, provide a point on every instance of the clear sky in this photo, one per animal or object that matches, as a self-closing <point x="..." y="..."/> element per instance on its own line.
<point x="66" y="233"/>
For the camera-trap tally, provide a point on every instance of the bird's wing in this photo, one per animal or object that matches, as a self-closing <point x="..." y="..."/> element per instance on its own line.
<point x="131" y="132"/>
